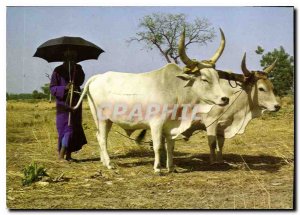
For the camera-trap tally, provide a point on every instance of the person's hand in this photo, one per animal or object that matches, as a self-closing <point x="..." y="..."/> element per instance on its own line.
<point x="68" y="86"/>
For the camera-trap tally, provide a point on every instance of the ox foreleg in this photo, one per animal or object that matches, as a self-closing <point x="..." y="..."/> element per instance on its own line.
<point x="170" y="151"/>
<point x="104" y="128"/>
<point x="212" y="143"/>
<point x="220" y="141"/>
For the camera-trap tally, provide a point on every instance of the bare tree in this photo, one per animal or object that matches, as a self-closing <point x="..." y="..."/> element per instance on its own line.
<point x="162" y="31"/>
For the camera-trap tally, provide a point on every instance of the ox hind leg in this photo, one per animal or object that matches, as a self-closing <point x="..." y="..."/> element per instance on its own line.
<point x="156" y="133"/>
<point x="96" y="120"/>
<point x="103" y="130"/>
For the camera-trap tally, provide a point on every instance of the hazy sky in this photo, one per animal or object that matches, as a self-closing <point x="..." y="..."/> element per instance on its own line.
<point x="110" y="27"/>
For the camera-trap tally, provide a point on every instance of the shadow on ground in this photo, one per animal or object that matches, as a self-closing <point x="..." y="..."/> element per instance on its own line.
<point x="200" y="162"/>
<point x="88" y="160"/>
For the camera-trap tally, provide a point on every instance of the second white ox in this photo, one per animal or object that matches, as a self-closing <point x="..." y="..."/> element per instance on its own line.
<point x="250" y="94"/>
<point x="196" y="84"/>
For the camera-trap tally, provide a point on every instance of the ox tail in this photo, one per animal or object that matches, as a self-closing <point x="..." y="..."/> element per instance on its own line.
<point x="140" y="137"/>
<point x="84" y="92"/>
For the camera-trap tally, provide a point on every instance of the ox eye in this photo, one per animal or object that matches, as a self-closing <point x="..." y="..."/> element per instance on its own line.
<point x="261" y="89"/>
<point x="205" y="80"/>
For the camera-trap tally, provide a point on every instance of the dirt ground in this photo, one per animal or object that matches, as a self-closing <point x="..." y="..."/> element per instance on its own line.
<point x="259" y="173"/>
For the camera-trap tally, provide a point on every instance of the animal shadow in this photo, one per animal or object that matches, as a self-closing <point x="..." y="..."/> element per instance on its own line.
<point x="148" y="155"/>
<point x="200" y="162"/>
<point x="142" y="153"/>
<point x="87" y="160"/>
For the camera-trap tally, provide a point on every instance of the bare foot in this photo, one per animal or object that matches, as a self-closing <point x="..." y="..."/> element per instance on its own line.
<point x="62" y="160"/>
<point x="71" y="159"/>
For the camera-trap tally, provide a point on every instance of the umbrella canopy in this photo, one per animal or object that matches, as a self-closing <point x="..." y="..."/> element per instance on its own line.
<point x="53" y="50"/>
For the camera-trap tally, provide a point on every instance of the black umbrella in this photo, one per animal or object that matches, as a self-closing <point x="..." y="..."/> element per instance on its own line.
<point x="54" y="51"/>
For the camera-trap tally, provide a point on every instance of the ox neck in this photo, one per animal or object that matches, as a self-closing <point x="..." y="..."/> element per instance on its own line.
<point x="231" y="76"/>
<point x="246" y="91"/>
<point x="248" y="101"/>
<point x="237" y="80"/>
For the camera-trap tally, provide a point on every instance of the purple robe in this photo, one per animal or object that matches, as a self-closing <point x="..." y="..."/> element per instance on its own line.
<point x="73" y="135"/>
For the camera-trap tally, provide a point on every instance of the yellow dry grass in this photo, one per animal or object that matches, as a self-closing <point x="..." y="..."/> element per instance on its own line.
<point x="260" y="174"/>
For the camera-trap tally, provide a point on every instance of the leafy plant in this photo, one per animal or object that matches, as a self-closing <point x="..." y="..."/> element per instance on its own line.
<point x="259" y="50"/>
<point x="33" y="173"/>
<point x="283" y="74"/>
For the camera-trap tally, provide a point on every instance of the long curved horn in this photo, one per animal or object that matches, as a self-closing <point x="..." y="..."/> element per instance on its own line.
<point x="181" y="50"/>
<point x="220" y="49"/>
<point x="246" y="72"/>
<point x="271" y="67"/>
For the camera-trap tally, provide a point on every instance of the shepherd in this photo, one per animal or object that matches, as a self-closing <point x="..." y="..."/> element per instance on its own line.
<point x="65" y="86"/>
<point x="71" y="136"/>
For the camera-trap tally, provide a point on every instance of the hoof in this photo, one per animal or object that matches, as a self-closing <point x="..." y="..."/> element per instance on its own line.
<point x="220" y="161"/>
<point x="159" y="173"/>
<point x="72" y="160"/>
<point x="62" y="161"/>
<point x="110" y="166"/>
<point x="213" y="163"/>
<point x="157" y="170"/>
<point x="216" y="163"/>
<point x="181" y="170"/>
<point x="172" y="170"/>
<point x="220" y="157"/>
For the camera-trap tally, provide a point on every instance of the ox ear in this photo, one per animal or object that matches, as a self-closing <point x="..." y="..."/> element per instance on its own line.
<point x="189" y="78"/>
<point x="189" y="83"/>
<point x="185" y="77"/>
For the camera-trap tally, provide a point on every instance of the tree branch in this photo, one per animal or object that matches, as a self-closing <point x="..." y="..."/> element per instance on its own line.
<point x="162" y="32"/>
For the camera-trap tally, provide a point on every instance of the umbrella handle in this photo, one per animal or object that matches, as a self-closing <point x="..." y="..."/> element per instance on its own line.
<point x="71" y="98"/>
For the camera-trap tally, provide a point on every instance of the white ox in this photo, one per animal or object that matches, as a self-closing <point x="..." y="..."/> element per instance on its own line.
<point x="197" y="84"/>
<point x="250" y="94"/>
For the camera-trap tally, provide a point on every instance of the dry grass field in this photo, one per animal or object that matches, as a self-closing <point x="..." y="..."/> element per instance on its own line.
<point x="259" y="173"/>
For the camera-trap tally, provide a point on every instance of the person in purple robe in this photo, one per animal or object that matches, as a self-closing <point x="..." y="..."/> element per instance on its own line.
<point x="71" y="137"/>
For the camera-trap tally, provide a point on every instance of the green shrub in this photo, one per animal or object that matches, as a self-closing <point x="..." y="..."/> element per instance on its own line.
<point x="33" y="173"/>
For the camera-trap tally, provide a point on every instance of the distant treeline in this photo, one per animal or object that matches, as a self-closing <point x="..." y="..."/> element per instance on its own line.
<point x="45" y="94"/>
<point x="22" y="96"/>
